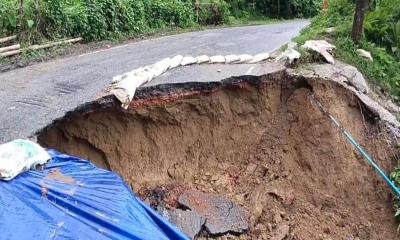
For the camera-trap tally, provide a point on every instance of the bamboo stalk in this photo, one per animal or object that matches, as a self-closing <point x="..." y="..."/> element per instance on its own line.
<point x="6" y="39"/>
<point x="37" y="47"/>
<point x="10" y="48"/>
<point x="10" y="53"/>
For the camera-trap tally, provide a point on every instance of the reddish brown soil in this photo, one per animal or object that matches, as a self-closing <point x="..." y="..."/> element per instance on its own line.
<point x="261" y="144"/>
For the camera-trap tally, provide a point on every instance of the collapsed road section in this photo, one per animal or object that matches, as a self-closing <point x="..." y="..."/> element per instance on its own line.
<point x="256" y="144"/>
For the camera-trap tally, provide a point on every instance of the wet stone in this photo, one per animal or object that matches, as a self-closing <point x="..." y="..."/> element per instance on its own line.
<point x="188" y="222"/>
<point x="222" y="215"/>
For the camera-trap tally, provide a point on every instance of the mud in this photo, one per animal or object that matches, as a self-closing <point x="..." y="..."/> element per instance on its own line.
<point x="258" y="141"/>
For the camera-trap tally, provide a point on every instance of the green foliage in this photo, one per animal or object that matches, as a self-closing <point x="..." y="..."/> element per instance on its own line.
<point x="382" y="26"/>
<point x="163" y="13"/>
<point x="395" y="177"/>
<point x="383" y="71"/>
<point x="289" y="8"/>
<point x="9" y="19"/>
<point x="339" y="15"/>
<point x="214" y="12"/>
<point x="8" y="16"/>
<point x="305" y="8"/>
<point x="106" y="19"/>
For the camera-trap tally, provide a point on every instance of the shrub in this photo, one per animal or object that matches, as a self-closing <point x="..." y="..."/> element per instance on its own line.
<point x="304" y="8"/>
<point x="63" y="17"/>
<point x="382" y="26"/>
<point x="102" y="19"/>
<point x="8" y="16"/>
<point x="166" y="13"/>
<point x="384" y="70"/>
<point x="214" y="12"/>
<point x="289" y="8"/>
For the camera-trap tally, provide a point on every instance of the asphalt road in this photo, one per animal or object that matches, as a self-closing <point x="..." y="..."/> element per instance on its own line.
<point x="31" y="97"/>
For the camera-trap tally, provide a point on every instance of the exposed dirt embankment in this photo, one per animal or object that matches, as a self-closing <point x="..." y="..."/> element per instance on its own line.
<point x="257" y="141"/>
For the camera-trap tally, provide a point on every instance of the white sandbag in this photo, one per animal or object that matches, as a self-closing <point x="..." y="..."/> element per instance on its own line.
<point x="125" y="89"/>
<point x="260" y="57"/>
<point x="160" y="67"/>
<point x="175" y="61"/>
<point x="203" y="59"/>
<point x="232" y="58"/>
<point x="188" y="61"/>
<point x="145" y="74"/>
<point x="119" y="78"/>
<point x="19" y="156"/>
<point x="124" y="86"/>
<point x="245" y="58"/>
<point x="217" y="59"/>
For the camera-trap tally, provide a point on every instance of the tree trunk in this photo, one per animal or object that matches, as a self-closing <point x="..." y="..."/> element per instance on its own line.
<point x="279" y="8"/>
<point x="358" y="24"/>
<point x="287" y="9"/>
<point x="20" y="13"/>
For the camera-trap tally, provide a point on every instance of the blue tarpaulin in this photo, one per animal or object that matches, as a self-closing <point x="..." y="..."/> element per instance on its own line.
<point x="72" y="199"/>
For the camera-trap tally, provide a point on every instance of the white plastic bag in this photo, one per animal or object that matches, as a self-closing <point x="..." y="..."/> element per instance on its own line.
<point x="19" y="156"/>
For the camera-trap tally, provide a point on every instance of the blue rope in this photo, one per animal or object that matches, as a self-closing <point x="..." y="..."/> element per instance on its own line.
<point x="357" y="146"/>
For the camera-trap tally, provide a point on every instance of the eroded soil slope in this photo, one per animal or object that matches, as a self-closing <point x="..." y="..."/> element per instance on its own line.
<point x="258" y="141"/>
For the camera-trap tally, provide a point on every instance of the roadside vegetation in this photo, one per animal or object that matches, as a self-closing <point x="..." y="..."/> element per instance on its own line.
<point x="379" y="34"/>
<point x="35" y="20"/>
<point x="381" y="37"/>
<point x="102" y="23"/>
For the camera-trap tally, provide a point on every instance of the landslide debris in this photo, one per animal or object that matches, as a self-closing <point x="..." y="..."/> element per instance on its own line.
<point x="255" y="141"/>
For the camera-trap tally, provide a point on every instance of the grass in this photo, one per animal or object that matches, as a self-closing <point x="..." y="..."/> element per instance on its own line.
<point x="383" y="72"/>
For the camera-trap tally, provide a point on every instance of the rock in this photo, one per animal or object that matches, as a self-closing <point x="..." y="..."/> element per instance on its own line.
<point x="163" y="212"/>
<point x="286" y="197"/>
<point x="321" y="47"/>
<point x="188" y="222"/>
<point x="257" y="198"/>
<point x="390" y="106"/>
<point x="222" y="215"/>
<point x="292" y="45"/>
<point x="365" y="54"/>
<point x="281" y="232"/>
<point x="344" y="74"/>
<point x="330" y="30"/>
<point x="251" y="168"/>
<point x="355" y="78"/>
<point x="288" y="57"/>
<point x="277" y="218"/>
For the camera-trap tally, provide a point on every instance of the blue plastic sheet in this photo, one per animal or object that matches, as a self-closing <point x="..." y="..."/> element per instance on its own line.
<point x="72" y="199"/>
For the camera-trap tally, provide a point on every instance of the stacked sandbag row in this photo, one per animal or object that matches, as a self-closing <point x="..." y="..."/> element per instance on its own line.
<point x="124" y="86"/>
